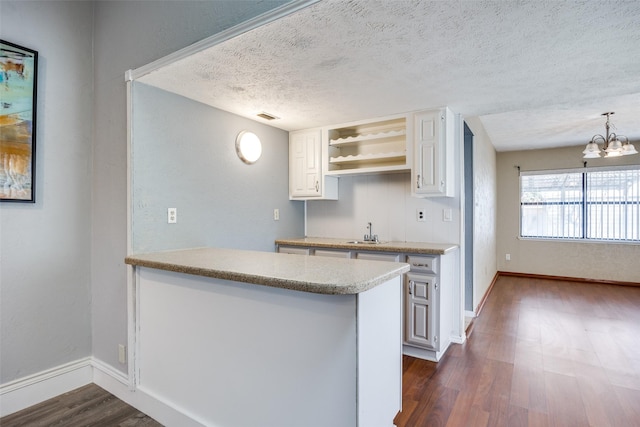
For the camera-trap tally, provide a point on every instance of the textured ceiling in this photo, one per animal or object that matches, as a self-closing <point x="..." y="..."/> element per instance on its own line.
<point x="538" y="73"/>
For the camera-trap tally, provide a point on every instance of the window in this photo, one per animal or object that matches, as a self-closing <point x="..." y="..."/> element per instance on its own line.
<point x="593" y="204"/>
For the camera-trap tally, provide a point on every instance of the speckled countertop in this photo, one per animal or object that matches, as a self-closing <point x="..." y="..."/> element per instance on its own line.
<point x="319" y="275"/>
<point x="398" y="247"/>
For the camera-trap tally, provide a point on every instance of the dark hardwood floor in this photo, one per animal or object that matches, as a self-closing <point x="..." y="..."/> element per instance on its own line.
<point x="542" y="353"/>
<point x="86" y="406"/>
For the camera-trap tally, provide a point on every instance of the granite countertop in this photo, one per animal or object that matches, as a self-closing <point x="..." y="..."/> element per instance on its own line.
<point x="321" y="275"/>
<point x="399" y="247"/>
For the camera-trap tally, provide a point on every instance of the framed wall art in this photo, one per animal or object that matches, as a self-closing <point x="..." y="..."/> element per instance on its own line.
<point x="18" y="83"/>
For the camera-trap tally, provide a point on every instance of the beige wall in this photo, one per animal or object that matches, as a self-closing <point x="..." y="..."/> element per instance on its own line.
<point x="484" y="212"/>
<point x="592" y="260"/>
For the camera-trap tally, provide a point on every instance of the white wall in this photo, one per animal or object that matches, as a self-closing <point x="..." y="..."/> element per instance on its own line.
<point x="590" y="260"/>
<point x="485" y="198"/>
<point x="385" y="201"/>
<point x="45" y="264"/>
<point x="184" y="156"/>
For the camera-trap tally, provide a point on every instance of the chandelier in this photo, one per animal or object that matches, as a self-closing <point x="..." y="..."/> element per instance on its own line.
<point x="614" y="145"/>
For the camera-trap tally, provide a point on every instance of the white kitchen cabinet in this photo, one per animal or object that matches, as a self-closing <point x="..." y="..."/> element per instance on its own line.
<point x="421" y="310"/>
<point x="430" y="295"/>
<point x="306" y="176"/>
<point x="433" y="168"/>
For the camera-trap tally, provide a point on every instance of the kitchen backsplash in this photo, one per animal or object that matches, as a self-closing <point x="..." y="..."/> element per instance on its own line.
<point x="386" y="201"/>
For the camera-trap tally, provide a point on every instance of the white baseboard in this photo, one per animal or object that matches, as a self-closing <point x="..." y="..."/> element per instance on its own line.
<point x="33" y="389"/>
<point x="163" y="412"/>
<point x="100" y="369"/>
<point x="458" y="339"/>
<point x="469" y="313"/>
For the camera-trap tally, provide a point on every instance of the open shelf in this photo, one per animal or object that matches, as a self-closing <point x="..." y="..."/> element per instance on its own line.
<point x="372" y="138"/>
<point x="364" y="147"/>
<point x="369" y="158"/>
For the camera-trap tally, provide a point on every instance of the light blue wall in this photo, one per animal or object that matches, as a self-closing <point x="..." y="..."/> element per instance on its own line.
<point x="45" y="247"/>
<point x="128" y="35"/>
<point x="184" y="157"/>
<point x="63" y="283"/>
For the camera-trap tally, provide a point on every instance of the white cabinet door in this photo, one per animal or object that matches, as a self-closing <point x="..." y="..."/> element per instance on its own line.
<point x="306" y="170"/>
<point x="421" y="311"/>
<point x="305" y="164"/>
<point x="433" y="170"/>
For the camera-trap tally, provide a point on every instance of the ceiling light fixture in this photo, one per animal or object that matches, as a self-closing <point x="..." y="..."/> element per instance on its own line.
<point x="614" y="145"/>
<point x="248" y="147"/>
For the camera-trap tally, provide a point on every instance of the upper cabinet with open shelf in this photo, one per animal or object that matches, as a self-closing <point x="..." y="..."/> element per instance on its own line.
<point x="371" y="146"/>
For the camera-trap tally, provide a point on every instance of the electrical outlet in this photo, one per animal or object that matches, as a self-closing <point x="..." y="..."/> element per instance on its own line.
<point x="420" y="215"/>
<point x="122" y="353"/>
<point x="172" y="215"/>
<point x="276" y="214"/>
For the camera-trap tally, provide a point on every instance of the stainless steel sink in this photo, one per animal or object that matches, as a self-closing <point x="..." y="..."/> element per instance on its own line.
<point x="363" y="242"/>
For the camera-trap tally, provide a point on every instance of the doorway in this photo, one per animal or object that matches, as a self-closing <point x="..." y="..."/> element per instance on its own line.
<point x="468" y="219"/>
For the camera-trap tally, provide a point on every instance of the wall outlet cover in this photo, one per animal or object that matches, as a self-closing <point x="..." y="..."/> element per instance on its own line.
<point x="172" y="215"/>
<point x="122" y="353"/>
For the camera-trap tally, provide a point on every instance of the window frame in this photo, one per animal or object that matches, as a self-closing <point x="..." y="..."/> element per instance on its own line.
<point x="584" y="204"/>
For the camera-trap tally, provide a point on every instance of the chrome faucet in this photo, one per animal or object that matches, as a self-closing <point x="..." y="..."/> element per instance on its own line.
<point x="370" y="237"/>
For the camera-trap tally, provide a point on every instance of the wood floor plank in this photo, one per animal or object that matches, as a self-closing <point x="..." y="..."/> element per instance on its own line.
<point x="629" y="400"/>
<point x="564" y="401"/>
<point x="600" y="402"/>
<point x="461" y="410"/>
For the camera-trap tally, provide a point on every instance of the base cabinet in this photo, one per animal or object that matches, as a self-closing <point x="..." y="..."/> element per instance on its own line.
<point x="428" y="296"/>
<point x="421" y="311"/>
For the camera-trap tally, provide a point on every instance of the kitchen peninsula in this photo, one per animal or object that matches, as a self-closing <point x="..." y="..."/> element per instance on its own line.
<point x="248" y="338"/>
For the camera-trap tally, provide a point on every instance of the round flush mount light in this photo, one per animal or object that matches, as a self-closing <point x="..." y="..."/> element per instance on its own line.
<point x="248" y="147"/>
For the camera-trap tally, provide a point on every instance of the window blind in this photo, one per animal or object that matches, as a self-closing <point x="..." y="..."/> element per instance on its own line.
<point x="595" y="204"/>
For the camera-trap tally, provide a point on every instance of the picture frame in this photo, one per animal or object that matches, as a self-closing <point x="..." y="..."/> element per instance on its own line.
<point x="18" y="95"/>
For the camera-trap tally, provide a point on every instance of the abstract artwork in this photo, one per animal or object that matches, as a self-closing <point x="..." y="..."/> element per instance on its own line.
<point x="18" y="78"/>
